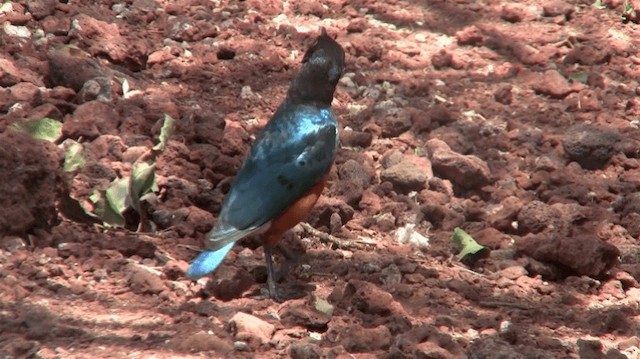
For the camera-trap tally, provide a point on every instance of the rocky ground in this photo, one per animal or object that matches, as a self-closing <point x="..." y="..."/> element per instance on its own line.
<point x="517" y="122"/>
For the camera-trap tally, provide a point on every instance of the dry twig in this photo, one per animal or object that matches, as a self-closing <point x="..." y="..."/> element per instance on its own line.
<point x="341" y="243"/>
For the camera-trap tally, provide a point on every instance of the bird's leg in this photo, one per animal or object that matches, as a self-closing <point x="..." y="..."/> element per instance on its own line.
<point x="290" y="260"/>
<point x="271" y="281"/>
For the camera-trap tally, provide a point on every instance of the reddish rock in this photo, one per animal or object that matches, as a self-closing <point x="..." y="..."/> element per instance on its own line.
<point x="304" y="351"/>
<point x="393" y="122"/>
<point x="556" y="8"/>
<point x="589" y="145"/>
<point x="143" y="280"/>
<point x="72" y="68"/>
<point x="42" y="9"/>
<point x="200" y="219"/>
<point x="354" y="178"/>
<point x="175" y="269"/>
<point x="229" y="282"/>
<point x="187" y="29"/>
<point x="407" y="175"/>
<point x="391" y="158"/>
<point x="30" y="176"/>
<point x="463" y="288"/>
<point x="311" y="8"/>
<point x="614" y="320"/>
<point x="503" y="215"/>
<point x="553" y="84"/>
<point x="352" y="170"/>
<point x="97" y="88"/>
<point x="588" y="54"/>
<point x="90" y="120"/>
<point x="46" y="110"/>
<point x="371" y="299"/>
<point x="68" y="249"/>
<point x="235" y="141"/>
<point x="26" y="92"/>
<point x="357" y="25"/>
<point x="356" y="339"/>
<point x="442" y="114"/>
<point x="582" y="255"/>
<point x="504" y="94"/>
<point x="492" y="238"/>
<point x="130" y="245"/>
<point x="160" y="56"/>
<point x="370" y="202"/>
<point x="465" y="171"/>
<point x="17" y="19"/>
<point x="513" y="12"/>
<point x="104" y="38"/>
<point x="59" y="26"/>
<point x="470" y="36"/>
<point x="321" y="214"/>
<point x="350" y="191"/>
<point x="251" y="329"/>
<point x="537" y="217"/>
<point x="446" y="59"/>
<point x="298" y="313"/>
<point x="355" y="138"/>
<point x="269" y="8"/>
<point x="203" y="342"/>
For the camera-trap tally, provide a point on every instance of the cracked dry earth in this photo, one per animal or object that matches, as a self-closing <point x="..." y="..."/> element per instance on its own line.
<point x="516" y="121"/>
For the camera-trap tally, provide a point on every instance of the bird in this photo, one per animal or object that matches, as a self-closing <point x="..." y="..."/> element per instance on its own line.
<point x="287" y="168"/>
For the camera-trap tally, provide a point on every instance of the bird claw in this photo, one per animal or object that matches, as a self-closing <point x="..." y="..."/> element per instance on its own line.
<point x="273" y="291"/>
<point x="281" y="295"/>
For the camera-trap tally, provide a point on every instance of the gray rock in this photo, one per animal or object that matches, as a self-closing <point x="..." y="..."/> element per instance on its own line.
<point x="591" y="146"/>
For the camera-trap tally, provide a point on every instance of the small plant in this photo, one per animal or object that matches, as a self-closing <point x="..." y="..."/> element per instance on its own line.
<point x="6" y="7"/>
<point x="110" y="204"/>
<point x="599" y="5"/>
<point x="128" y="192"/>
<point x="43" y="129"/>
<point x="629" y="13"/>
<point x="469" y="251"/>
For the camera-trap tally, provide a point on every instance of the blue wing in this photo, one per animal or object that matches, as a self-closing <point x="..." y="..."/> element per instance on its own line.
<point x="295" y="149"/>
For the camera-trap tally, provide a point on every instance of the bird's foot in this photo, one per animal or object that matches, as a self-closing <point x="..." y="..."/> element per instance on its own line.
<point x="275" y="293"/>
<point x="290" y="261"/>
<point x="282" y="294"/>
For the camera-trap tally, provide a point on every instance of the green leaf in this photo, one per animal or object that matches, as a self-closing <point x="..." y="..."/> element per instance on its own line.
<point x="579" y="77"/>
<point x="73" y="156"/>
<point x="110" y="204"/>
<point x="44" y="129"/>
<point x="6" y="7"/>
<point x="465" y="244"/>
<point x="141" y="182"/>
<point x="95" y="197"/>
<point x="628" y="9"/>
<point x="628" y="12"/>
<point x="167" y="131"/>
<point x="324" y="306"/>
<point x="116" y="195"/>
<point x="599" y="5"/>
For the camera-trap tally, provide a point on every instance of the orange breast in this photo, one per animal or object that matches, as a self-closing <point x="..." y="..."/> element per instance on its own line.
<point x="295" y="213"/>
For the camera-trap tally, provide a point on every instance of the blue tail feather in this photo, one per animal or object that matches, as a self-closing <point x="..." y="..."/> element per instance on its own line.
<point x="207" y="261"/>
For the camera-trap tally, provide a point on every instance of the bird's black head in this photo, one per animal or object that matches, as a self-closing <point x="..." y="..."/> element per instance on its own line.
<point x="322" y="67"/>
